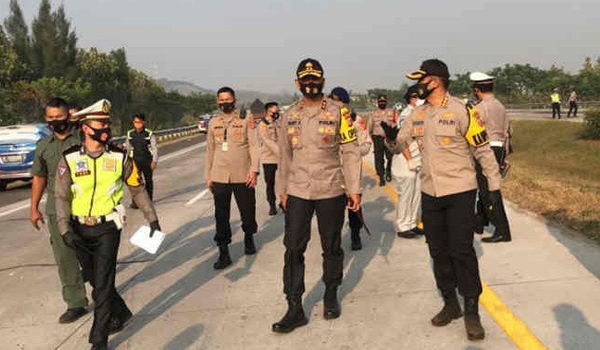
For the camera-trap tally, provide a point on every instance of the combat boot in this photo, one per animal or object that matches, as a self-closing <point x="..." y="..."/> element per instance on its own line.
<point x="450" y="311"/>
<point x="473" y="325"/>
<point x="381" y="180"/>
<point x="249" y="247"/>
<point x="355" y="236"/>
<point x="497" y="237"/>
<point x="273" y="210"/>
<point x="293" y="318"/>
<point x="224" y="258"/>
<point x="331" y="307"/>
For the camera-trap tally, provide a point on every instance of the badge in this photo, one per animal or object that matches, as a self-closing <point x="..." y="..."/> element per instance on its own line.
<point x="109" y="164"/>
<point x="447" y="141"/>
<point x="225" y="146"/>
<point x="294" y="141"/>
<point x="321" y="129"/>
<point x="330" y="130"/>
<point x="81" y="168"/>
<point x="448" y="115"/>
<point x="291" y="130"/>
<point x="62" y="169"/>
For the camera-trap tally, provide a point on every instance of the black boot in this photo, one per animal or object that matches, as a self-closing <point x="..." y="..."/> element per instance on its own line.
<point x="224" y="258"/>
<point x="117" y="324"/>
<point x="273" y="210"/>
<point x="473" y="325"/>
<point x="100" y="346"/>
<point x="331" y="307"/>
<point x="381" y="180"/>
<point x="407" y="234"/>
<point x="249" y="247"/>
<point x="388" y="176"/>
<point x="293" y="318"/>
<point x="450" y="311"/>
<point x="497" y="237"/>
<point x="355" y="236"/>
<point x="72" y="315"/>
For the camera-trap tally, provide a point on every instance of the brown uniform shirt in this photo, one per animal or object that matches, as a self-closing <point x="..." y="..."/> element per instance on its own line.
<point x="494" y="116"/>
<point x="364" y="141"/>
<point x="231" y="149"/>
<point x="268" y="133"/>
<point x="448" y="164"/>
<point x="314" y="163"/>
<point x="64" y="196"/>
<point x="389" y="116"/>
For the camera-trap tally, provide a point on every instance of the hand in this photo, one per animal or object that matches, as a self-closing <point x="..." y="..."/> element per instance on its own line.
<point x="495" y="199"/>
<point x="391" y="132"/>
<point x="353" y="202"/>
<point x="153" y="166"/>
<point x="72" y="240"/>
<point x="36" y="217"/>
<point x="209" y="185"/>
<point x="154" y="226"/>
<point x="251" y="179"/>
<point x="283" y="203"/>
<point x="412" y="166"/>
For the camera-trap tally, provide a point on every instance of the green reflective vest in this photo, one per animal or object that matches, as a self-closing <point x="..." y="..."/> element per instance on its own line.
<point x="97" y="183"/>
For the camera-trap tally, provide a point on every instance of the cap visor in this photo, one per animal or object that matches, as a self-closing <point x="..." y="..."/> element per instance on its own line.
<point x="314" y="73"/>
<point x="416" y="75"/>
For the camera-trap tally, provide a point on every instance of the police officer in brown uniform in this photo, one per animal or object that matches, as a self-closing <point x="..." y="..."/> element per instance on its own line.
<point x="319" y="163"/>
<point x="452" y="134"/>
<point x="389" y="117"/>
<point x="493" y="114"/>
<point x="231" y="167"/>
<point x="268" y="132"/>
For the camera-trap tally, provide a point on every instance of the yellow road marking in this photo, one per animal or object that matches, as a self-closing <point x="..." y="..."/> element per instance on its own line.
<point x="515" y="329"/>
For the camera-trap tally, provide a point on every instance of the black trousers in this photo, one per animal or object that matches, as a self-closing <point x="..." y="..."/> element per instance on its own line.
<point x="448" y="223"/>
<point x="555" y="110"/>
<point x="330" y="220"/>
<point x="270" y="171"/>
<point x="353" y="219"/>
<point x="246" y="202"/>
<point x="497" y="216"/>
<point x="381" y="166"/>
<point x="98" y="260"/>
<point x="144" y="166"/>
<point x="572" y="109"/>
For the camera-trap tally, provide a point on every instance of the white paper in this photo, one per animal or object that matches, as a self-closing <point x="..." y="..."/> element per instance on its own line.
<point x="141" y="238"/>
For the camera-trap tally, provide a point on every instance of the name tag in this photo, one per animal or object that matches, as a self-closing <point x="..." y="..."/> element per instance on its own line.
<point x="225" y="146"/>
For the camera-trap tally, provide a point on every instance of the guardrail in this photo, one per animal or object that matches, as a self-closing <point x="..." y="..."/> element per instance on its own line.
<point x="167" y="134"/>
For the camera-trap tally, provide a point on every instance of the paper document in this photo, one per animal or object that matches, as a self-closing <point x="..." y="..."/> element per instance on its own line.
<point x="141" y="238"/>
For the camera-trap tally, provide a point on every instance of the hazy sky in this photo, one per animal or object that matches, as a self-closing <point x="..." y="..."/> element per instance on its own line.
<point x="362" y="44"/>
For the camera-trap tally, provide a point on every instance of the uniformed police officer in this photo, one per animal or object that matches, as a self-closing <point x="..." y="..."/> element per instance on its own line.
<point x="389" y="117"/>
<point x="364" y="141"/>
<point x="47" y="155"/>
<point x="141" y="146"/>
<point x="268" y="132"/>
<point x="231" y="167"/>
<point x="452" y="134"/>
<point x="89" y="188"/>
<point x="555" y="98"/>
<point x="496" y="123"/>
<point x="319" y="163"/>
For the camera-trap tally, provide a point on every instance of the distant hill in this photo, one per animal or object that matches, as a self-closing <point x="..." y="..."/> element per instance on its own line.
<point x="244" y="97"/>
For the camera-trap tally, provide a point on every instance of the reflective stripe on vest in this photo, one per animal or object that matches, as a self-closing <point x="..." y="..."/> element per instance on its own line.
<point x="97" y="183"/>
<point x="148" y="140"/>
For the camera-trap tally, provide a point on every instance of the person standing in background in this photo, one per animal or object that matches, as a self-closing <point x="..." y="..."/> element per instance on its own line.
<point x="555" y="98"/>
<point x="389" y="117"/>
<point x="142" y="148"/>
<point x="268" y="133"/>
<point x="572" y="104"/>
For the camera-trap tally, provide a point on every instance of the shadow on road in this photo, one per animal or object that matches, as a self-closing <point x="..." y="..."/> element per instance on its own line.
<point x="575" y="331"/>
<point x="185" y="339"/>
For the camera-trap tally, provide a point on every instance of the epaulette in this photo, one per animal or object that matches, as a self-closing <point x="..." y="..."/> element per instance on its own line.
<point x="72" y="149"/>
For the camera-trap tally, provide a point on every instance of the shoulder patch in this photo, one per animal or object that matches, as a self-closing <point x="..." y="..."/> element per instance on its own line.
<point x="476" y="134"/>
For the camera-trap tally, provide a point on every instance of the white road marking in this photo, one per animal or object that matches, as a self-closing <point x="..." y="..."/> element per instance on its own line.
<point x="197" y="198"/>
<point x="182" y="151"/>
<point x="15" y="207"/>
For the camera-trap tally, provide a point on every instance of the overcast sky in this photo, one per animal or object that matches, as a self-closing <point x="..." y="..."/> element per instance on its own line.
<point x="362" y="44"/>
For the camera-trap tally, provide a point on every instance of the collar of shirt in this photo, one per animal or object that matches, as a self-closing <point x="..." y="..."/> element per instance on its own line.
<point x="54" y="138"/>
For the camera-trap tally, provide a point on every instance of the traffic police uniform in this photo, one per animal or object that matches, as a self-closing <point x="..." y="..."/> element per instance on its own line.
<point x="268" y="133"/>
<point x="89" y="189"/>
<point x="231" y="154"/>
<point x="390" y="117"/>
<point x="48" y="153"/>
<point x="319" y="163"/>
<point x="555" y="98"/>
<point x="143" y="150"/>
<point x="493" y="114"/>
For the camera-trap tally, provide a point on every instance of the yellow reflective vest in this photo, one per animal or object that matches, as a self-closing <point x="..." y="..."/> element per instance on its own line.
<point x="555" y="98"/>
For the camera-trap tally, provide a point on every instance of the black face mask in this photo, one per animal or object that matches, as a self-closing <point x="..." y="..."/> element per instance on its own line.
<point x="227" y="107"/>
<point x="423" y="91"/>
<point x="97" y="135"/>
<point x="382" y="105"/>
<point x="311" y="90"/>
<point x="275" y="115"/>
<point x="59" y="126"/>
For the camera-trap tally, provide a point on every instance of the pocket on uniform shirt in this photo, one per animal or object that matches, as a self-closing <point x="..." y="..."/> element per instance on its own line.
<point x="293" y="133"/>
<point x="218" y="135"/>
<point x="326" y="131"/>
<point x="445" y="132"/>
<point x="239" y="135"/>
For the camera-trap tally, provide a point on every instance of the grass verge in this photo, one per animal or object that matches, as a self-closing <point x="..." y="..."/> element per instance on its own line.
<point x="555" y="174"/>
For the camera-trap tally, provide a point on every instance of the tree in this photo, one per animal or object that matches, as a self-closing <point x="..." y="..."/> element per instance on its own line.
<point x="66" y="41"/>
<point x="18" y="34"/>
<point x="45" y="58"/>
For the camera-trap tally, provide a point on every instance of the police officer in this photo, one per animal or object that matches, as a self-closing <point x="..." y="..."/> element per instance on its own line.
<point x="268" y="132"/>
<point x="364" y="141"/>
<point x="496" y="123"/>
<point x="452" y="134"/>
<point x="231" y="166"/>
<point x="319" y="163"/>
<point x="89" y="188"/>
<point x="555" y="98"/>
<point x="389" y="117"/>
<point x="47" y="155"/>
<point x="141" y="146"/>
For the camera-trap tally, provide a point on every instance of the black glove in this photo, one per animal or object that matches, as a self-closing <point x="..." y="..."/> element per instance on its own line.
<point x="495" y="199"/>
<point x="391" y="132"/>
<point x="154" y="226"/>
<point x="75" y="242"/>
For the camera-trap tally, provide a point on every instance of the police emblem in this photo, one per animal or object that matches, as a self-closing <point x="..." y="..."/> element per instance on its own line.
<point x="109" y="164"/>
<point x="81" y="168"/>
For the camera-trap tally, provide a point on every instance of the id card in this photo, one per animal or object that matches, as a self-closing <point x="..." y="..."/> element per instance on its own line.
<point x="225" y="146"/>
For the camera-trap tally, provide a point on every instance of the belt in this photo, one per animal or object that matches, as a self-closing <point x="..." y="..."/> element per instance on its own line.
<point x="96" y="220"/>
<point x="496" y="143"/>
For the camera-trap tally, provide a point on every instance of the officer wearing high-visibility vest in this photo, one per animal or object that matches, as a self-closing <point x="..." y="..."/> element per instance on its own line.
<point x="141" y="147"/>
<point x="89" y="188"/>
<point x="555" y="98"/>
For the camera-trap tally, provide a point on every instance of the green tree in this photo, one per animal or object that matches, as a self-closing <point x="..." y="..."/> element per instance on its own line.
<point x="66" y="42"/>
<point x="18" y="34"/>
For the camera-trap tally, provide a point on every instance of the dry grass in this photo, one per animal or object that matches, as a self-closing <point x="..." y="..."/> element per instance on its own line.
<point x="556" y="175"/>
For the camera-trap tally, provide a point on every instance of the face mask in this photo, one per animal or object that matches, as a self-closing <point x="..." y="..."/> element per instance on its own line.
<point x="59" y="126"/>
<point x="423" y="91"/>
<point x="382" y="105"/>
<point x="275" y="115"/>
<point x="98" y="133"/>
<point x="227" y="107"/>
<point x="312" y="90"/>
